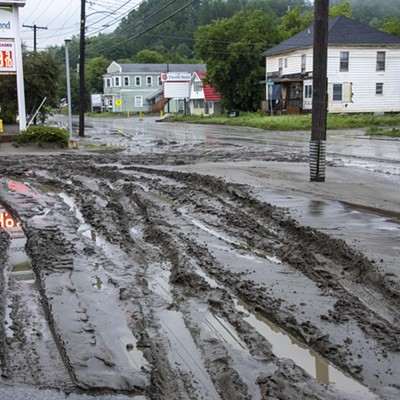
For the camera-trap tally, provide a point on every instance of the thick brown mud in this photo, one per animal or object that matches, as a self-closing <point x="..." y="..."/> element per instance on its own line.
<point x="152" y="281"/>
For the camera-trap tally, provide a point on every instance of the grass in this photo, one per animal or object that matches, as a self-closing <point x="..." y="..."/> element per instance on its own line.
<point x="103" y="148"/>
<point x="376" y="131"/>
<point x="293" y="122"/>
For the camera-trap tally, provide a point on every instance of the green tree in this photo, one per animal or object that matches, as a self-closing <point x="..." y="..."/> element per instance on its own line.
<point x="41" y="73"/>
<point x="391" y="25"/>
<point x="294" y="21"/>
<point x="149" y="57"/>
<point x="8" y="98"/>
<point x="95" y="68"/>
<point x="343" y="8"/>
<point x="232" y="50"/>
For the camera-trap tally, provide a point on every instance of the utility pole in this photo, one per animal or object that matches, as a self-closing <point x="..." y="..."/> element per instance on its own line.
<point x="82" y="100"/>
<point x="320" y="103"/>
<point x="35" y="28"/>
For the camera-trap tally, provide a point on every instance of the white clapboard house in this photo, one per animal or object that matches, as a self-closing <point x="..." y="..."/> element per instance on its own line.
<point x="363" y="70"/>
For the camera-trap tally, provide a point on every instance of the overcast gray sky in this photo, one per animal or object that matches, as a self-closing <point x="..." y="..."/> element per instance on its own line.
<point x="61" y="17"/>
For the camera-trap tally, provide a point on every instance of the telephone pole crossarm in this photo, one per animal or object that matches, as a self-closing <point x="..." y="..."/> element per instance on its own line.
<point x="35" y="28"/>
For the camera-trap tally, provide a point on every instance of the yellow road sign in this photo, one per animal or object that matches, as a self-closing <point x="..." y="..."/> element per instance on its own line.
<point x="118" y="102"/>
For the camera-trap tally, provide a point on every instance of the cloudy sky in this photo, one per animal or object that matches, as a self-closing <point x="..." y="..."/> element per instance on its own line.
<point x="61" y="18"/>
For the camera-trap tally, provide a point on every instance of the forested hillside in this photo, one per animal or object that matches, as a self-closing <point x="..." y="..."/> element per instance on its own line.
<point x="168" y="27"/>
<point x="186" y="31"/>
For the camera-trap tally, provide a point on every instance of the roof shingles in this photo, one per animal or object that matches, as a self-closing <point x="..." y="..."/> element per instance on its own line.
<point x="341" y="31"/>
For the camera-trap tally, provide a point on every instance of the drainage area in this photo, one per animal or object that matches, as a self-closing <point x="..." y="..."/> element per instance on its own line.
<point x="285" y="345"/>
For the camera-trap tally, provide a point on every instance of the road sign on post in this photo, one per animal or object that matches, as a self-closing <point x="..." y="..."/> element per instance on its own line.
<point x="11" y="51"/>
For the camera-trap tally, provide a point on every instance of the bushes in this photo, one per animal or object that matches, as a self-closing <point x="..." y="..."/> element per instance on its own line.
<point x="42" y="135"/>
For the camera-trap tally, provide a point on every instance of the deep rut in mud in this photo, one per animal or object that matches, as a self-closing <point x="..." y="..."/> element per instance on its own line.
<point x="173" y="285"/>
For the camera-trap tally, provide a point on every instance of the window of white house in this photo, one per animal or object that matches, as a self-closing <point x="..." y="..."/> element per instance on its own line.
<point x="117" y="81"/>
<point x="138" y="81"/>
<point x="149" y="81"/>
<point x="126" y="81"/>
<point x="198" y="103"/>
<point x="344" y="61"/>
<point x="308" y="91"/>
<point x="303" y="63"/>
<point x="159" y="80"/>
<point x="380" y="60"/>
<point x="280" y="66"/>
<point x="108" y="82"/>
<point x="197" y="86"/>
<point x="337" y="94"/>
<point x="285" y="62"/>
<point x="379" y="88"/>
<point x="138" y="101"/>
<point x="110" y="103"/>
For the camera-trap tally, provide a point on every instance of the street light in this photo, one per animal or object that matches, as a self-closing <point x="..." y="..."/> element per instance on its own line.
<point x="71" y="142"/>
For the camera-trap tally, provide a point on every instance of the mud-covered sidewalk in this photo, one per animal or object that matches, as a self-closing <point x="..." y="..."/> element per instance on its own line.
<point x="197" y="273"/>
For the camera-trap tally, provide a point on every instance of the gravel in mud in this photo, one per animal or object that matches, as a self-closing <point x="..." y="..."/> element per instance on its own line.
<point x="145" y="276"/>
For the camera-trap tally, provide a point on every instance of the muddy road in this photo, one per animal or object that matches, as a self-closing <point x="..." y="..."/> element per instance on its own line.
<point x="199" y="268"/>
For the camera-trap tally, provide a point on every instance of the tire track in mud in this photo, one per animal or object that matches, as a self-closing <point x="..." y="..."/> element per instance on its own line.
<point x="166" y="221"/>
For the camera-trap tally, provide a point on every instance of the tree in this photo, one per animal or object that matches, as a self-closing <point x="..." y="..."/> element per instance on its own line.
<point x="95" y="68"/>
<point x="41" y="75"/>
<point x="8" y="99"/>
<point x="294" y="21"/>
<point x="391" y="25"/>
<point x="343" y="8"/>
<point x="232" y="50"/>
<point x="149" y="57"/>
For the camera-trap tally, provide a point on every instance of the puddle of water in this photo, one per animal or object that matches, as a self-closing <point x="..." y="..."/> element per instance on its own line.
<point x="285" y="345"/>
<point x="224" y="238"/>
<point x="19" y="262"/>
<point x="184" y="353"/>
<point x="97" y="282"/>
<point x="21" y="268"/>
<point x="8" y="320"/>
<point x="84" y="228"/>
<point x="223" y="331"/>
<point x="135" y="356"/>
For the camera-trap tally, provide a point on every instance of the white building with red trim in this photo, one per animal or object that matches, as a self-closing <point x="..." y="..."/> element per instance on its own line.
<point x="203" y="99"/>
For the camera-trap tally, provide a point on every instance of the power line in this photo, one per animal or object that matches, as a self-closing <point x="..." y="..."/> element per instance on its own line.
<point x="148" y="29"/>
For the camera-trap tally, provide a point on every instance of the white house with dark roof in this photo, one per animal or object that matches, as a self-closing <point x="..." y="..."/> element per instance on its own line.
<point x="140" y="87"/>
<point x="363" y="70"/>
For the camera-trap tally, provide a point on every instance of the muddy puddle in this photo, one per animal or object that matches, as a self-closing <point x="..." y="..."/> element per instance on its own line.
<point x="183" y="354"/>
<point x="19" y="264"/>
<point x="368" y="230"/>
<point x="285" y="345"/>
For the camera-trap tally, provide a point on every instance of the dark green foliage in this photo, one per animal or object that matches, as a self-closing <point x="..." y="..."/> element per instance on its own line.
<point x="232" y="49"/>
<point x="41" y="74"/>
<point x="8" y="98"/>
<point x="41" y="77"/>
<point x="42" y="135"/>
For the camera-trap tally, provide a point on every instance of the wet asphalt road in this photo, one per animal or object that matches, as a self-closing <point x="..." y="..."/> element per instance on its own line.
<point x="349" y="147"/>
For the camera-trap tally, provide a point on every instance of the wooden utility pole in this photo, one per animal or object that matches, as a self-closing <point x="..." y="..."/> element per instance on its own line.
<point x="320" y="84"/>
<point x="35" y="28"/>
<point x="82" y="100"/>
